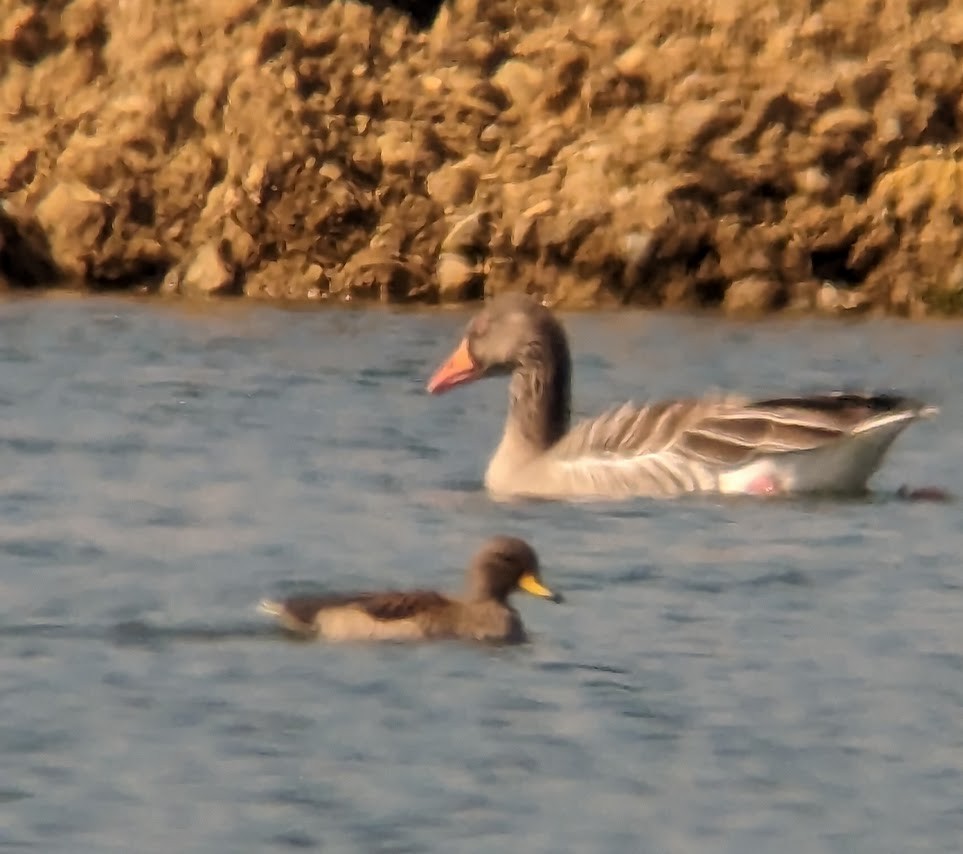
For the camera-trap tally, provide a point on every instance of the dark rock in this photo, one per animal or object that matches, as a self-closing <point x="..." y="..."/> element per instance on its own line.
<point x="295" y="150"/>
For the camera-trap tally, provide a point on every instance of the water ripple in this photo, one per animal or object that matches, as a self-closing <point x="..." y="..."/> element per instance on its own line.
<point x="725" y="676"/>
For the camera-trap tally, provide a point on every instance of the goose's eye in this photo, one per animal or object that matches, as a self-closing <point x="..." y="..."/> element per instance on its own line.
<point x="478" y="327"/>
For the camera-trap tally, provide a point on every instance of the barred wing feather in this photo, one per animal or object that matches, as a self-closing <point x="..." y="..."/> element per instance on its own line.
<point x="679" y="442"/>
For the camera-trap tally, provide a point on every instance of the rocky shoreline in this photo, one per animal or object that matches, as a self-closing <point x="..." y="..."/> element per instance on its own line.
<point x="750" y="155"/>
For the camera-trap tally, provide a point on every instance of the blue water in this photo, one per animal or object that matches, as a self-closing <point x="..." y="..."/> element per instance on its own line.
<point x="726" y="676"/>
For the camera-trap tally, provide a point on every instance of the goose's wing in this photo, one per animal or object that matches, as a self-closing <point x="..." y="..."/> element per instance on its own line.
<point x="726" y="432"/>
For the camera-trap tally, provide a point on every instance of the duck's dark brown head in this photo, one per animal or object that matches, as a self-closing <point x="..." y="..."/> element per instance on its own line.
<point x="503" y="566"/>
<point x="511" y="332"/>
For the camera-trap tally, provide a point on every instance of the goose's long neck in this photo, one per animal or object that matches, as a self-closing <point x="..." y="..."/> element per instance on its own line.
<point x="539" y="407"/>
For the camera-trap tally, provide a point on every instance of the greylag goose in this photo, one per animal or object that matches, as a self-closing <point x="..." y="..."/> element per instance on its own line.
<point x="829" y="443"/>
<point x="503" y="566"/>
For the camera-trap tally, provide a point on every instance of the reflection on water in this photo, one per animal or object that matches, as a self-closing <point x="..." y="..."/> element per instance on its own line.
<point x="725" y="676"/>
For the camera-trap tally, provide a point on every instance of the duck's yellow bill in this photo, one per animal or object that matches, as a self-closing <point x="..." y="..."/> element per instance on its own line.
<point x="530" y="584"/>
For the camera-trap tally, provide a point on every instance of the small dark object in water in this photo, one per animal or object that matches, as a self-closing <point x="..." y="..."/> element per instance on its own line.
<point x="924" y="493"/>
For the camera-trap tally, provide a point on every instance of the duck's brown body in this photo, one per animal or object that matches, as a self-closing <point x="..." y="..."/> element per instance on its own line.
<point x="397" y="616"/>
<point x="503" y="566"/>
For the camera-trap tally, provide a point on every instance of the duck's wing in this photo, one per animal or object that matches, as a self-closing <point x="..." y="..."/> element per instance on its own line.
<point x="680" y="441"/>
<point x="302" y="611"/>
<point x="401" y="605"/>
